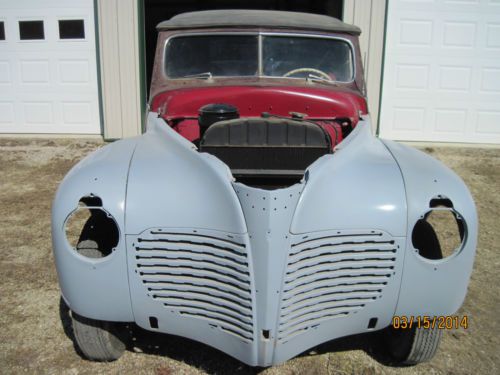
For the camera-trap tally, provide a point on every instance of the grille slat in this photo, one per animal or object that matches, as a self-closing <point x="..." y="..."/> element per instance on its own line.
<point x="222" y="282"/>
<point x="211" y="240"/>
<point x="182" y="254"/>
<point x="195" y="266"/>
<point x="195" y="239"/>
<point x="332" y="275"/>
<point x="314" y="317"/>
<point x="332" y="265"/>
<point x="329" y="247"/>
<point x="311" y="300"/>
<point x="159" y="280"/>
<point x="339" y="255"/>
<point x="192" y="248"/>
<point x="229" y="312"/>
<point x="214" y="314"/>
<point x="333" y="282"/>
<point x="340" y="272"/>
<point x="196" y="272"/>
<point x="301" y="328"/>
<point x="166" y="294"/>
<point x="368" y="236"/>
<point x="326" y="304"/>
<point x="190" y="283"/>
<point x="244" y="333"/>
<point x="200" y="276"/>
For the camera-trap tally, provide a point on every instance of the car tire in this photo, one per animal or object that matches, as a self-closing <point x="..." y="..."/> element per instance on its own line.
<point x="89" y="249"/>
<point x="409" y="347"/>
<point x="98" y="340"/>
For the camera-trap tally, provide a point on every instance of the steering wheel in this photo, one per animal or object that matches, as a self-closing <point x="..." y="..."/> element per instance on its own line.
<point x="311" y="70"/>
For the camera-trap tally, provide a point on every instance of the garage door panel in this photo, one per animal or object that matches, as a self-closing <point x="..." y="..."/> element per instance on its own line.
<point x="490" y="79"/>
<point x="7" y="113"/>
<point x="5" y="73"/>
<point x="49" y="85"/>
<point x="415" y="32"/>
<point x="442" y="72"/>
<point x="487" y="122"/>
<point x="493" y="35"/>
<point x="34" y="72"/>
<point x="455" y="78"/>
<point x="74" y="72"/>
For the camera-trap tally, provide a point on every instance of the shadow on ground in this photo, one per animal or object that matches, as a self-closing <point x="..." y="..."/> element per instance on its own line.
<point x="213" y="361"/>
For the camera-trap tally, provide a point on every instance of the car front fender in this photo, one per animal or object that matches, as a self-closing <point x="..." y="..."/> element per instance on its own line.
<point x="95" y="288"/>
<point x="433" y="287"/>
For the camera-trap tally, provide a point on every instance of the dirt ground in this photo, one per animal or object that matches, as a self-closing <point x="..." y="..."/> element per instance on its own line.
<point x="35" y="333"/>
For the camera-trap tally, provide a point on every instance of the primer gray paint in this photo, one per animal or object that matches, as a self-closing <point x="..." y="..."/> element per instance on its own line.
<point x="252" y="272"/>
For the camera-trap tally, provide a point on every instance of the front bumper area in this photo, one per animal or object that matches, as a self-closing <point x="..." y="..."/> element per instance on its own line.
<point x="267" y="295"/>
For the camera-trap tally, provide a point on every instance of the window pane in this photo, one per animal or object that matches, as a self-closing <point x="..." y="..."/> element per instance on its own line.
<point x="2" y="31"/>
<point x="301" y="56"/>
<point x="30" y="30"/>
<point x="223" y="55"/>
<point x="71" y="29"/>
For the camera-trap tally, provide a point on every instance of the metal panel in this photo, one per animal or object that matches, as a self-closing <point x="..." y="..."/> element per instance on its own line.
<point x="95" y="288"/>
<point x="190" y="189"/>
<point x="374" y="184"/>
<point x="198" y="275"/>
<point x="48" y="85"/>
<point x="119" y="55"/>
<point x="197" y="283"/>
<point x="442" y="69"/>
<point x="262" y="274"/>
<point x="331" y="275"/>
<point x="434" y="287"/>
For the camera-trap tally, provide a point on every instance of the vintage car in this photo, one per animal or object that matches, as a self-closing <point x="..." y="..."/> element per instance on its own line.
<point x="258" y="213"/>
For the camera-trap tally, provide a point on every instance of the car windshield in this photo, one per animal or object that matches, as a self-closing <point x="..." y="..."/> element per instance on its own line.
<point x="205" y="56"/>
<point x="219" y="55"/>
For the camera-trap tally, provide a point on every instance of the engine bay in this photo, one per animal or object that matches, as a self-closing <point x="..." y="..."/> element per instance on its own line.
<point x="266" y="150"/>
<point x="266" y="136"/>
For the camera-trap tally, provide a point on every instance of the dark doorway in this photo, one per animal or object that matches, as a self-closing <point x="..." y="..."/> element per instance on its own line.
<point x="156" y="11"/>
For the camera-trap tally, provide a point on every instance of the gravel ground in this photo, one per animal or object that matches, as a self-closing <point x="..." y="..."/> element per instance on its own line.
<point x="35" y="333"/>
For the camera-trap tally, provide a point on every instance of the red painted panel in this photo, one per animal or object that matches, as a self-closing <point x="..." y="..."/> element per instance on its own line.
<point x="251" y="101"/>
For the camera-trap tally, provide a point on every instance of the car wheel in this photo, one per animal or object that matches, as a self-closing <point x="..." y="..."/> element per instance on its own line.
<point x="415" y="345"/>
<point x="412" y="346"/>
<point x="98" y="340"/>
<point x="89" y="248"/>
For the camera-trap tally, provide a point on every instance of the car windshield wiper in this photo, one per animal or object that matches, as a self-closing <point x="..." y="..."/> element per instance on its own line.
<point x="315" y="78"/>
<point x="205" y="75"/>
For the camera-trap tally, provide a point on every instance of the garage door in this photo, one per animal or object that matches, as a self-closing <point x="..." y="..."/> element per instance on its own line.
<point x="442" y="71"/>
<point x="48" y="70"/>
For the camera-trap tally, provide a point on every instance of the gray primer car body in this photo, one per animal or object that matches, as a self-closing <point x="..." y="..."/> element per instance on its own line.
<point x="268" y="310"/>
<point x="261" y="274"/>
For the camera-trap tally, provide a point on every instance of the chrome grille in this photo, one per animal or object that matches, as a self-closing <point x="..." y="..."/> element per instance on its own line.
<point x="199" y="276"/>
<point x="329" y="276"/>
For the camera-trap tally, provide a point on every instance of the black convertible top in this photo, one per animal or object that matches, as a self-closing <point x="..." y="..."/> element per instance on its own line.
<point x="257" y="18"/>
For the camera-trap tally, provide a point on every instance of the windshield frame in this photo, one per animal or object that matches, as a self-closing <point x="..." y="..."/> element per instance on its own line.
<point x="260" y="35"/>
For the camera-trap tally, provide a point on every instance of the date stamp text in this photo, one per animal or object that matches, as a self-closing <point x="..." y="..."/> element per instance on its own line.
<point x="431" y="322"/>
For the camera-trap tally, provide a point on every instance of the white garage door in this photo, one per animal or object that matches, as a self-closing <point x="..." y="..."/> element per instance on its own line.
<point x="48" y="70"/>
<point x="442" y="71"/>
